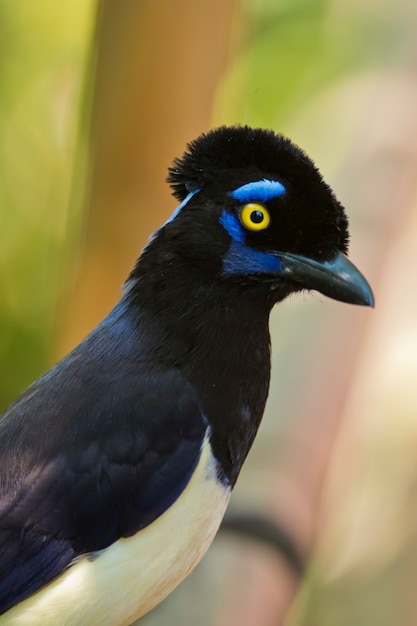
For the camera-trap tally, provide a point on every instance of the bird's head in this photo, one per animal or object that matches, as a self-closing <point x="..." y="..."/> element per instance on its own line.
<point x="254" y="209"/>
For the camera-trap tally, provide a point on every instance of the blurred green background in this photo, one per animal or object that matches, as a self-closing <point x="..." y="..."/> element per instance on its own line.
<point x="96" y="99"/>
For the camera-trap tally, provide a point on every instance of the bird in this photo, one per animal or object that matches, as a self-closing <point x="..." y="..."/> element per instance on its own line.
<point x="117" y="465"/>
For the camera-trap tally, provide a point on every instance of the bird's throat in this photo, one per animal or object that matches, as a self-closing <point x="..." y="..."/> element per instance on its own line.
<point x="217" y="334"/>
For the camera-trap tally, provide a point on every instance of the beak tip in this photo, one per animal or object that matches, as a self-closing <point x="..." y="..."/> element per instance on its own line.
<point x="369" y="302"/>
<point x="365" y="296"/>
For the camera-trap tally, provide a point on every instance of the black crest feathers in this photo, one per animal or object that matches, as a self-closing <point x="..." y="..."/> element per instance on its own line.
<point x="228" y="151"/>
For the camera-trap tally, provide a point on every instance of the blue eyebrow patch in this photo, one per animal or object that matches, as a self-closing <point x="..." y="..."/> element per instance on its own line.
<point x="259" y="191"/>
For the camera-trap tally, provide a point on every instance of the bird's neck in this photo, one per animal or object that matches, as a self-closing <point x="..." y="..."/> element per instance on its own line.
<point x="217" y="334"/>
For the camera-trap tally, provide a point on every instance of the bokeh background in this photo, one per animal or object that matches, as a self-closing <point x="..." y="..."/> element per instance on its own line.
<point x="96" y="98"/>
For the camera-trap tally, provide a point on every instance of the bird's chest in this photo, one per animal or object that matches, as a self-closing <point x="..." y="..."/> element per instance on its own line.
<point x="233" y="385"/>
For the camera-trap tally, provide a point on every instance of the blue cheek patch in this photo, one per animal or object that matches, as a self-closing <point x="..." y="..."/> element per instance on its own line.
<point x="233" y="227"/>
<point x="240" y="260"/>
<point x="259" y="191"/>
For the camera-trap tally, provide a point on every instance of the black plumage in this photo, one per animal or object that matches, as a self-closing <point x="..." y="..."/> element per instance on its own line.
<point x="310" y="220"/>
<point x="104" y="443"/>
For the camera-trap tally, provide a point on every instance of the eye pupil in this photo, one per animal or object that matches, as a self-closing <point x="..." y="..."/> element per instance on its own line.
<point x="257" y="217"/>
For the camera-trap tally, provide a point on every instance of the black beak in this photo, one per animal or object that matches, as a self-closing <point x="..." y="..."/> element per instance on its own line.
<point x="338" y="279"/>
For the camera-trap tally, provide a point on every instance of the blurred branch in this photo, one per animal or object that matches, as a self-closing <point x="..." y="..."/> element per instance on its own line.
<point x="256" y="527"/>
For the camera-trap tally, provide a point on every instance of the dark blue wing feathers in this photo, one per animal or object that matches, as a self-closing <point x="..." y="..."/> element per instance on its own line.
<point x="92" y="452"/>
<point x="29" y="561"/>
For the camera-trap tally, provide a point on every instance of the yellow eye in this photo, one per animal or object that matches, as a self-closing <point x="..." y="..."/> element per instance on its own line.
<point x="255" y="216"/>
